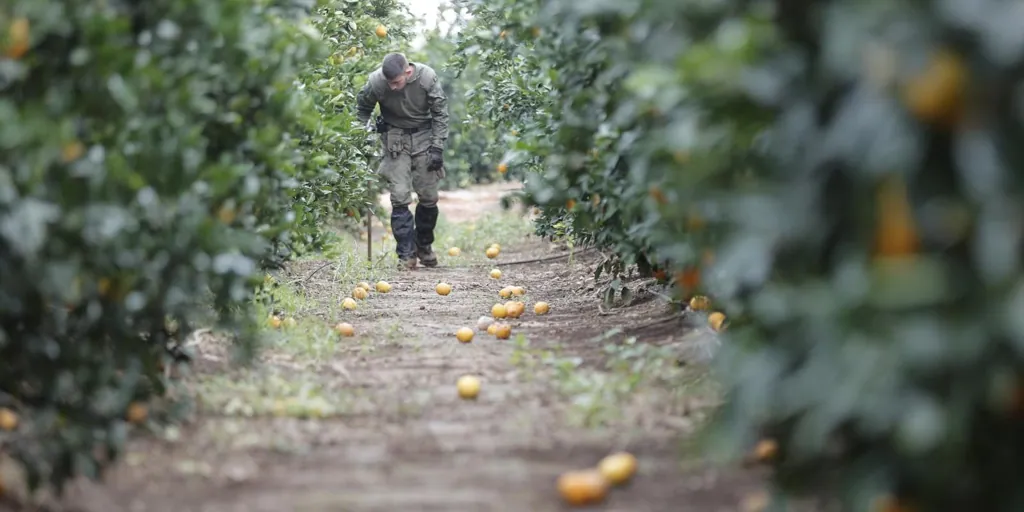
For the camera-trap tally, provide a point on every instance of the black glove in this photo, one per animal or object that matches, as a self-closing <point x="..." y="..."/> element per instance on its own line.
<point x="436" y="159"/>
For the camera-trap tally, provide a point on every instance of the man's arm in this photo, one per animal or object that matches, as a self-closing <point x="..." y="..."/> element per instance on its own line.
<point x="439" y="114"/>
<point x="366" y="101"/>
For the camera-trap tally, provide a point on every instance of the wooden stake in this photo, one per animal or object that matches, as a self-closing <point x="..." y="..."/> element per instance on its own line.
<point x="369" y="234"/>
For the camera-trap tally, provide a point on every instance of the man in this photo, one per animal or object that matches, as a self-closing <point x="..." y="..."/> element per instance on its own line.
<point x="414" y="110"/>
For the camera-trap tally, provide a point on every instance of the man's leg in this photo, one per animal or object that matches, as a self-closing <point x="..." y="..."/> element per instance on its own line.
<point x="425" y="182"/>
<point x="398" y="173"/>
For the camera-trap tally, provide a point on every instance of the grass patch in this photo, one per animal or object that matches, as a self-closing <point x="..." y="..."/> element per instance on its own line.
<point x="473" y="238"/>
<point x="269" y="391"/>
<point x="632" y="376"/>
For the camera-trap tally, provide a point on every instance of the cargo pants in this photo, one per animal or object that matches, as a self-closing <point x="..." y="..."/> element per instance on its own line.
<point x="404" y="167"/>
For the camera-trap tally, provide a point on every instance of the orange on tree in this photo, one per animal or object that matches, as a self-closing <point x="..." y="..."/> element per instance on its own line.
<point x="700" y="303"/>
<point x="896" y="232"/>
<point x="656" y="193"/>
<point x="716" y="320"/>
<point x="503" y="167"/>
<point x="381" y="31"/>
<point x="72" y="151"/>
<point x="688" y="279"/>
<point x="137" y="413"/>
<point x="766" y="450"/>
<point x="937" y="94"/>
<point x="889" y="503"/>
<point x="17" y="39"/>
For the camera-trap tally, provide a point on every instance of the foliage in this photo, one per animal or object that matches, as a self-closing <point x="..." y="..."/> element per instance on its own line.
<point x="150" y="157"/>
<point x="470" y="156"/>
<point x="343" y="154"/>
<point x="839" y="177"/>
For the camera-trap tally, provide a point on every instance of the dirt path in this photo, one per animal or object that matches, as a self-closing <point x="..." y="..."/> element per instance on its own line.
<point x="388" y="432"/>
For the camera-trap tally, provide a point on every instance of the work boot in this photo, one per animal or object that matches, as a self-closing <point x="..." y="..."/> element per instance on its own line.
<point x="426" y="220"/>
<point x="426" y="256"/>
<point x="403" y="229"/>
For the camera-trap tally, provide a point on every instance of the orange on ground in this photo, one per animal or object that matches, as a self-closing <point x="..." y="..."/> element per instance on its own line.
<point x="505" y="292"/>
<point x="498" y="311"/>
<point x="583" y="487"/>
<point x="345" y="329"/>
<point x="541" y="308"/>
<point x="443" y="288"/>
<point x="360" y="293"/>
<point x="468" y="387"/>
<point x="502" y="331"/>
<point x="492" y="252"/>
<point x="464" y="334"/>
<point x="618" y="468"/>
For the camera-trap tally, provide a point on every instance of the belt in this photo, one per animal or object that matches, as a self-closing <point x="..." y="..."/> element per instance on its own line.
<point x="409" y="131"/>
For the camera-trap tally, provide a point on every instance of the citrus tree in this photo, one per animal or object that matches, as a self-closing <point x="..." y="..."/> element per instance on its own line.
<point x="357" y="35"/>
<point x="154" y="158"/>
<point x="473" y="150"/>
<point x="838" y="177"/>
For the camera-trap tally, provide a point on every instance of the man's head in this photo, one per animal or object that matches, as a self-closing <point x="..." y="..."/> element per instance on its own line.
<point x="396" y="70"/>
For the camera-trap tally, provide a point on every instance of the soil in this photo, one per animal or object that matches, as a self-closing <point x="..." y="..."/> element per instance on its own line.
<point x="400" y="439"/>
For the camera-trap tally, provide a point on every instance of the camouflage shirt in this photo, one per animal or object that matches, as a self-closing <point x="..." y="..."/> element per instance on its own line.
<point x="421" y="102"/>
